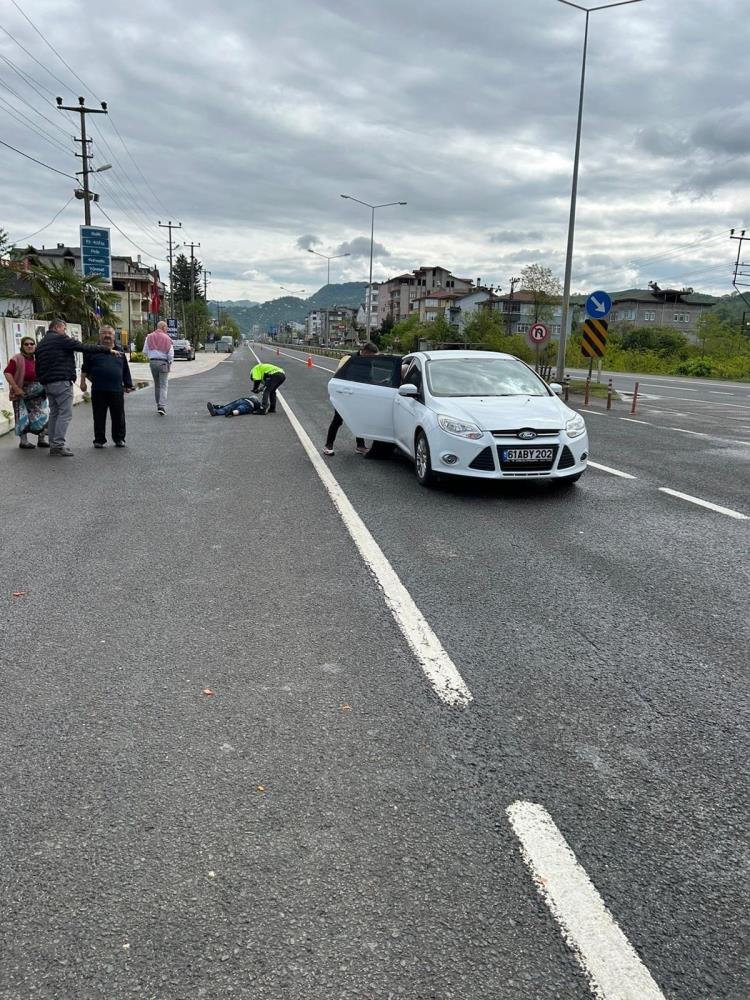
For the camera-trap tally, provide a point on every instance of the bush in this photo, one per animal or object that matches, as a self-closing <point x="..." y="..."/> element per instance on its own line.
<point x="139" y="358"/>
<point x="698" y="367"/>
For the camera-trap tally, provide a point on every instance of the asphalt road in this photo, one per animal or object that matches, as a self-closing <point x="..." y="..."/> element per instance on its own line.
<point x="322" y="824"/>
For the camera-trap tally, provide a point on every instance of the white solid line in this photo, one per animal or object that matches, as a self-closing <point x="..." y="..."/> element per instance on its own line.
<point x="704" y="503"/>
<point x="596" y="413"/>
<point x="715" y="392"/>
<point x="608" y="959"/>
<point x="437" y="665"/>
<point x="302" y="361"/>
<point x="682" y="430"/>
<point x="660" y="385"/>
<point x="632" y="420"/>
<point x="614" y="472"/>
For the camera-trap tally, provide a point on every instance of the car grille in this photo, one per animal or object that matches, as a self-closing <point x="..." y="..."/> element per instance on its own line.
<point x="484" y="462"/>
<point x="566" y="459"/>
<point x="528" y="466"/>
<point x="515" y="431"/>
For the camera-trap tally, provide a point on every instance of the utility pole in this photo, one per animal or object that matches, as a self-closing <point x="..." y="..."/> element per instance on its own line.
<point x="513" y="283"/>
<point x="740" y="267"/>
<point x="170" y="227"/>
<point x="205" y="285"/>
<point x="192" y="269"/>
<point x="84" y="155"/>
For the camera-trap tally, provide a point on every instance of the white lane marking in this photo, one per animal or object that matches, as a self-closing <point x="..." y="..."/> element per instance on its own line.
<point x="613" y="472"/>
<point x="704" y="402"/>
<point x="632" y="420"/>
<point x="716" y="392"/>
<point x="613" y="967"/>
<point x="437" y="665"/>
<point x="596" y="413"/>
<point x="704" y="503"/>
<point x="682" y="430"/>
<point x="660" y="385"/>
<point x="302" y="360"/>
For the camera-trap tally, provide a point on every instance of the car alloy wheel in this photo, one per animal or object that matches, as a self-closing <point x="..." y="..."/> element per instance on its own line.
<point x="422" y="462"/>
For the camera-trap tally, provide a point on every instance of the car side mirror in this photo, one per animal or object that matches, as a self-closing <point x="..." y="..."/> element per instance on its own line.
<point x="556" y="388"/>
<point x="408" y="389"/>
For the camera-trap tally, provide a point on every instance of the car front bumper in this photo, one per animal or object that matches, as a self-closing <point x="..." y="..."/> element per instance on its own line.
<point x="484" y="459"/>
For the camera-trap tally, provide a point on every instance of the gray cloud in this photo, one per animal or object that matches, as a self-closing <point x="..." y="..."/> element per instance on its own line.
<point x="360" y="247"/>
<point x="290" y="107"/>
<point x="308" y="242"/>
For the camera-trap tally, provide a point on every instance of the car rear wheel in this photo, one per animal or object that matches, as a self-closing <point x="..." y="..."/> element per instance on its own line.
<point x="422" y="461"/>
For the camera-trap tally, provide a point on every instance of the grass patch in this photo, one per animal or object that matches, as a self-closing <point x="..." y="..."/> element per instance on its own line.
<point x="577" y="387"/>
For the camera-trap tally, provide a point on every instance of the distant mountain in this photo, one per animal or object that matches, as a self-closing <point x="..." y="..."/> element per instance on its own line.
<point x="289" y="309"/>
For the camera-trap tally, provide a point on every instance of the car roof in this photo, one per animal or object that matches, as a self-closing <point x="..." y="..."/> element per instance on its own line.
<point x="443" y="355"/>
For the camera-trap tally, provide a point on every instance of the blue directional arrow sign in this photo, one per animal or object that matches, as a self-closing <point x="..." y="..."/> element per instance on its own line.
<point x="598" y="305"/>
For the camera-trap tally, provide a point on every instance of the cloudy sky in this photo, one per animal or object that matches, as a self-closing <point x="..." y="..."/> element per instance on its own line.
<point x="246" y="120"/>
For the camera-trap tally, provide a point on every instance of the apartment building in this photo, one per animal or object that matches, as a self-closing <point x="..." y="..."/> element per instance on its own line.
<point x="398" y="296"/>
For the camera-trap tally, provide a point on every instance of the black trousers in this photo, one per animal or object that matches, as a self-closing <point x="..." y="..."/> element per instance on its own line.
<point x="334" y="429"/>
<point x="270" y="384"/>
<point x="103" y="400"/>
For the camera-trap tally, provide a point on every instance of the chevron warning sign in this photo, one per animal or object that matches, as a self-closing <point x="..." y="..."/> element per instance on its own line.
<point x="594" y="337"/>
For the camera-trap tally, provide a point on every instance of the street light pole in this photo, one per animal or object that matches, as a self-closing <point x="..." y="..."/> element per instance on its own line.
<point x="372" y="208"/>
<point x="328" y="259"/>
<point x="562" y="343"/>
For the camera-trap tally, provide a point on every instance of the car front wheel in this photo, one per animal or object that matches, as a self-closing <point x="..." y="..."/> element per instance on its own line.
<point x="422" y="461"/>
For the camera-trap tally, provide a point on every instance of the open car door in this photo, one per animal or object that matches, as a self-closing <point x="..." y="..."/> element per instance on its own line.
<point x="363" y="391"/>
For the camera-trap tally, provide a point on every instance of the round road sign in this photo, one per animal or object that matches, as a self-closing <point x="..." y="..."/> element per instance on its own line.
<point x="538" y="333"/>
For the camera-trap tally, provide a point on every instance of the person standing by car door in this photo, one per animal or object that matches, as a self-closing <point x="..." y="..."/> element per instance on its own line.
<point x="110" y="380"/>
<point x="160" y="350"/>
<point x="270" y="377"/>
<point x="367" y="350"/>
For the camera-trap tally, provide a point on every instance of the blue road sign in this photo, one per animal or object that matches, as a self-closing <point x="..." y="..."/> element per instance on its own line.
<point x="598" y="305"/>
<point x="96" y="257"/>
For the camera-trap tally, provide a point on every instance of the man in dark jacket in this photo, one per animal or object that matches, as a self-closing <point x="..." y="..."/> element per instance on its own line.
<point x="110" y="380"/>
<point x="56" y="370"/>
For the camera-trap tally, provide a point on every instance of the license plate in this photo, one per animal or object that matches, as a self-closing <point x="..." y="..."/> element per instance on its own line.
<point x="527" y="454"/>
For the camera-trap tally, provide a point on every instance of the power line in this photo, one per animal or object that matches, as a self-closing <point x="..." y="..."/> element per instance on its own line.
<point x="115" y="198"/>
<point x="53" y="169"/>
<point x="45" y="68"/>
<point x="25" y="120"/>
<point x="147" y="253"/>
<point x="52" y="47"/>
<point x="157" y="203"/>
<point x="27" y="79"/>
<point x="28" y="104"/>
<point x="53" y="219"/>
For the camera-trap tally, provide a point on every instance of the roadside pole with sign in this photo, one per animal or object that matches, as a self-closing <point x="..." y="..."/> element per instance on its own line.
<point x="595" y="327"/>
<point x="538" y="335"/>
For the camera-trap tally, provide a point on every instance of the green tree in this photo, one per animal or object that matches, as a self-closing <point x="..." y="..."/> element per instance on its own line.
<point x="545" y="289"/>
<point x="62" y="292"/>
<point x="196" y="321"/>
<point x="440" y="330"/>
<point x="485" y="326"/>
<point x="5" y="272"/>
<point x="186" y="285"/>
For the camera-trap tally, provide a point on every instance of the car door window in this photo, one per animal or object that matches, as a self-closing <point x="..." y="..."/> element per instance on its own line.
<point x="414" y="376"/>
<point x="383" y="369"/>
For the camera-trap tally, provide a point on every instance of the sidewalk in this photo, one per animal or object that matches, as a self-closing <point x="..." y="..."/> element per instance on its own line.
<point x="141" y="373"/>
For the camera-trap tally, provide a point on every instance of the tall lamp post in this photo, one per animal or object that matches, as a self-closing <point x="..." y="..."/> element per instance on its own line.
<point x="329" y="259"/>
<point x="574" y="192"/>
<point x="372" y="208"/>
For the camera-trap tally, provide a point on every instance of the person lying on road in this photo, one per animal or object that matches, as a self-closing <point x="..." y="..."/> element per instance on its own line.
<point x="248" y="404"/>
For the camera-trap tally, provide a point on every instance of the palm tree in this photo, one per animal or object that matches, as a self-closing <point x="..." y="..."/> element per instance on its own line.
<point x="62" y="292"/>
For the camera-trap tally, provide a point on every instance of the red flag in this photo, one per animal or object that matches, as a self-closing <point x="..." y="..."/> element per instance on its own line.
<point x="155" y="300"/>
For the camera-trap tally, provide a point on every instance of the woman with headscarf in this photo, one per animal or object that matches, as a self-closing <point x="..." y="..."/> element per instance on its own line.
<point x="30" y="406"/>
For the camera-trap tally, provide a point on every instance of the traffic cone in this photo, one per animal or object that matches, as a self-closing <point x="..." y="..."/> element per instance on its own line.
<point x="309" y="361"/>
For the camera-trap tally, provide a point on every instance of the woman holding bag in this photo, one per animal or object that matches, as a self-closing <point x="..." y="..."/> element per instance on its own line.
<point x="30" y="406"/>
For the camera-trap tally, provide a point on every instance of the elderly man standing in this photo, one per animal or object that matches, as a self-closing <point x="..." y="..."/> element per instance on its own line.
<point x="56" y="370"/>
<point x="160" y="350"/>
<point x="110" y="379"/>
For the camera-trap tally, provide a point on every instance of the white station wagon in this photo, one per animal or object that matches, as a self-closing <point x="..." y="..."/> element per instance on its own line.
<point x="463" y="413"/>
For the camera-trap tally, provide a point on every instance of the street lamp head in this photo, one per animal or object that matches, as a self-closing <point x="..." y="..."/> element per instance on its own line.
<point x="402" y="203"/>
<point x="105" y="166"/>
<point x="346" y="196"/>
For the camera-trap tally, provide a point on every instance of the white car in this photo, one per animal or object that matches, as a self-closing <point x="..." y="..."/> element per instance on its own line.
<point x="463" y="413"/>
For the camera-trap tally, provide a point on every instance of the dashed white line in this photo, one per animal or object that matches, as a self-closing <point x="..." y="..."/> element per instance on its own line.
<point x="704" y="503"/>
<point x="436" y="664"/>
<point x="717" y="392"/>
<point x="613" y="967"/>
<point x="632" y="420"/>
<point x="612" y="472"/>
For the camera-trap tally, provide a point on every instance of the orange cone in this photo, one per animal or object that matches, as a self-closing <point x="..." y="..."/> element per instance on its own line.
<point x="309" y="361"/>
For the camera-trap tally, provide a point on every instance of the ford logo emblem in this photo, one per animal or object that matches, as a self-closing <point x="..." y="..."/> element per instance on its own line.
<point x="527" y="435"/>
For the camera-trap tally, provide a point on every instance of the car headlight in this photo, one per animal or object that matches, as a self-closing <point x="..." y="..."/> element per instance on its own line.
<point x="575" y="426"/>
<point x="459" y="428"/>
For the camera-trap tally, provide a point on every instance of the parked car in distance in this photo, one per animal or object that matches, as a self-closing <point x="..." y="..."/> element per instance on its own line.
<point x="463" y="413"/>
<point x="183" y="349"/>
<point x="225" y="345"/>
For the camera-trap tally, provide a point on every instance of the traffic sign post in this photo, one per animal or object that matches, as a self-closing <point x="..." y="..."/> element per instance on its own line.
<point x="538" y="335"/>
<point x="594" y="339"/>
<point x="598" y="305"/>
<point x="96" y="257"/>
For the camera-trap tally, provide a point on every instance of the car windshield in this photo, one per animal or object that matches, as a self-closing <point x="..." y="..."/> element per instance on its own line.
<point x="483" y="377"/>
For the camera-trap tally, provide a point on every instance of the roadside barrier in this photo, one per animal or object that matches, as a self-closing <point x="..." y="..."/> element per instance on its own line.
<point x="586" y="392"/>
<point x="635" y="399"/>
<point x="566" y="387"/>
<point x="609" y="395"/>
